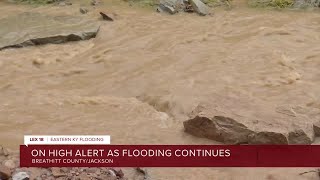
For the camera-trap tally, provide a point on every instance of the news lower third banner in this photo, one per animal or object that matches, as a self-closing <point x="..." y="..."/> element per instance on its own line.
<point x="169" y="155"/>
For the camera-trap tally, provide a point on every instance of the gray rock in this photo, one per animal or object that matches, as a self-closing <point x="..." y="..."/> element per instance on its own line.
<point x="105" y="17"/>
<point x="218" y="128"/>
<point x="84" y="10"/>
<point x="268" y="138"/>
<point x="316" y="128"/>
<point x="168" y="6"/>
<point x="199" y="7"/>
<point x="246" y="120"/>
<point x="49" y="29"/>
<point x="300" y="136"/>
<point x="20" y="176"/>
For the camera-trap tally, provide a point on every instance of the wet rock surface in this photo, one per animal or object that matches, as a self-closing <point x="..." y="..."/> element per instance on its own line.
<point x="37" y="29"/>
<point x="105" y="16"/>
<point x="256" y="124"/>
<point x="83" y="10"/>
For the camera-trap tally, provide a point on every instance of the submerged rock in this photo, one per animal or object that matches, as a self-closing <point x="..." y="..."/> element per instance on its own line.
<point x="105" y="17"/>
<point x="83" y="10"/>
<point x="240" y="120"/>
<point x="37" y="29"/>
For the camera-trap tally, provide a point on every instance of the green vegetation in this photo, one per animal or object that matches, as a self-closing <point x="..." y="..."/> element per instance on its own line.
<point x="271" y="3"/>
<point x="282" y="3"/>
<point x="215" y="2"/>
<point x="143" y="3"/>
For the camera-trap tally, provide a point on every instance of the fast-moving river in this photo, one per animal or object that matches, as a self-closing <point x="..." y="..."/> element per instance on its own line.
<point x="142" y="75"/>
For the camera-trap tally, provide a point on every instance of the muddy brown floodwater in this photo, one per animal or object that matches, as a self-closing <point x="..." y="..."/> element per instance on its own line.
<point x="141" y="76"/>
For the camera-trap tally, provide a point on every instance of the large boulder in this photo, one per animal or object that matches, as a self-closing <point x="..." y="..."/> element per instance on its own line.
<point x="199" y="7"/>
<point x="171" y="6"/>
<point x="266" y="137"/>
<point x="35" y="29"/>
<point x="240" y="120"/>
<point x="300" y="136"/>
<point x="218" y="128"/>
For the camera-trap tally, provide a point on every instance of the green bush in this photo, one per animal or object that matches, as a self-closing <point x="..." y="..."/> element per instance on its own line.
<point x="282" y="3"/>
<point x="271" y="3"/>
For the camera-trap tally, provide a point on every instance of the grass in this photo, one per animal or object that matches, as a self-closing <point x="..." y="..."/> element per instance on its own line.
<point x="282" y="3"/>
<point x="143" y="3"/>
<point x="271" y="3"/>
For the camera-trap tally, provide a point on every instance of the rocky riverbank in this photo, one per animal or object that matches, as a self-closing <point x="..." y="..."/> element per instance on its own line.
<point x="9" y="169"/>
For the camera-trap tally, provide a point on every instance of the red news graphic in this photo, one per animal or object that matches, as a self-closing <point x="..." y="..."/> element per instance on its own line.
<point x="169" y="156"/>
